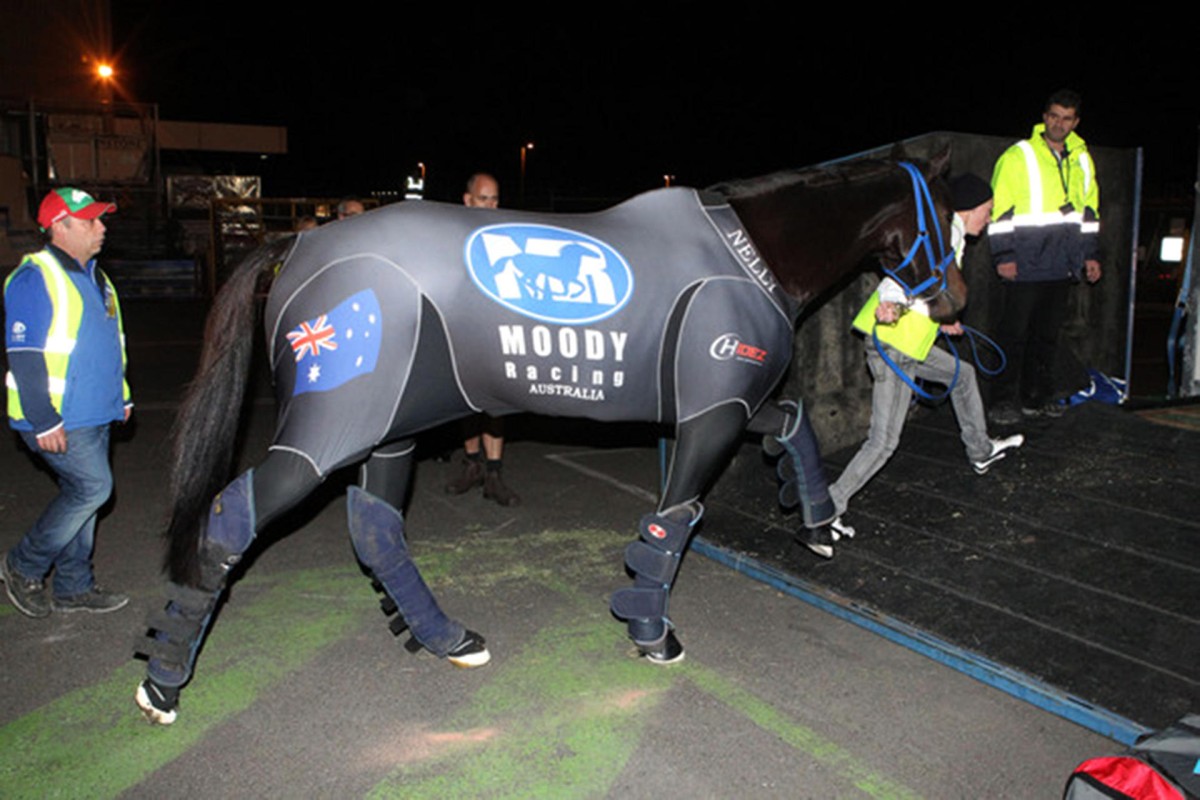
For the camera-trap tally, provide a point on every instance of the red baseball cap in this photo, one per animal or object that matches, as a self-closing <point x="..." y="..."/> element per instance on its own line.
<point x="70" y="202"/>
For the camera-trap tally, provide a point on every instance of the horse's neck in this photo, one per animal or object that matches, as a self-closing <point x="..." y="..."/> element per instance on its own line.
<point x="812" y="238"/>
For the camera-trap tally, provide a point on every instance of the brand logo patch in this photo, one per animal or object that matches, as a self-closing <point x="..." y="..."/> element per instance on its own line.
<point x="656" y="530"/>
<point x="728" y="345"/>
<point x="548" y="273"/>
<point x="18" y="332"/>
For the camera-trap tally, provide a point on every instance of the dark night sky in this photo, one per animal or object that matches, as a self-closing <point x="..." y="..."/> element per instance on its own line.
<point x="614" y="95"/>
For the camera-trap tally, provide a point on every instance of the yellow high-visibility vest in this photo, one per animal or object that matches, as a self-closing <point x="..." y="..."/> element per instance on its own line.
<point x="67" y="315"/>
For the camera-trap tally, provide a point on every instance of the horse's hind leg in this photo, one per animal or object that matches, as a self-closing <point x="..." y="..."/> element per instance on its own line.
<point x="377" y="531"/>
<point x="235" y="516"/>
<point x="702" y="446"/>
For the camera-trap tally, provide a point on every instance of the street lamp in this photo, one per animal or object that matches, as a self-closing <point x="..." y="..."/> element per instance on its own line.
<point x="106" y="74"/>
<point x="525" y="148"/>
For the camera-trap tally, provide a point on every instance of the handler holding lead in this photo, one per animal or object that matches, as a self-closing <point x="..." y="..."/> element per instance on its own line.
<point x="907" y="334"/>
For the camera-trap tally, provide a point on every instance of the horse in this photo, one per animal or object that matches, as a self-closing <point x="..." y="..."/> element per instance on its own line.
<point x="677" y="306"/>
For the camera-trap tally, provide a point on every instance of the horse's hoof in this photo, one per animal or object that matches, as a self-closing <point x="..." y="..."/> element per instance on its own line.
<point x="159" y="705"/>
<point x="666" y="650"/>
<point x="819" y="540"/>
<point x="470" y="652"/>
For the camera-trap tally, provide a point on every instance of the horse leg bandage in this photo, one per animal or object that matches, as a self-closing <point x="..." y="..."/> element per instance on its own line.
<point x="377" y="531"/>
<point x="177" y="630"/>
<point x="654" y="560"/>
<point x="229" y="532"/>
<point x="175" y="634"/>
<point x="801" y="471"/>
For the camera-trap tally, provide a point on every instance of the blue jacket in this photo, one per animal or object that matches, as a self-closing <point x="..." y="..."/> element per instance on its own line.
<point x="95" y="392"/>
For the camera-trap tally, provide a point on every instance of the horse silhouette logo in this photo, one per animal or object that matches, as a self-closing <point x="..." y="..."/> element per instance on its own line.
<point x="548" y="273"/>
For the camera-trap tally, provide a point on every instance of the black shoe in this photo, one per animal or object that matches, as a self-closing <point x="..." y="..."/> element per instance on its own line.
<point x="665" y="651"/>
<point x="95" y="600"/>
<point x="470" y="652"/>
<point x="472" y="476"/>
<point x="159" y="704"/>
<point x="28" y="595"/>
<point x="1051" y="410"/>
<point x="494" y="489"/>
<point x="1004" y="414"/>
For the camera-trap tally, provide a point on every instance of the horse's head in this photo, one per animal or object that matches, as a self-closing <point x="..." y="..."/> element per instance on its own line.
<point x="916" y="251"/>
<point x="813" y="227"/>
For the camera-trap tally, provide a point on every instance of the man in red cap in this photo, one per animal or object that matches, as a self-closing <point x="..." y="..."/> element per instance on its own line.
<point x="66" y="385"/>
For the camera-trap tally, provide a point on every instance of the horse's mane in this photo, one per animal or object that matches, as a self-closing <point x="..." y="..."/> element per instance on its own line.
<point x="811" y="177"/>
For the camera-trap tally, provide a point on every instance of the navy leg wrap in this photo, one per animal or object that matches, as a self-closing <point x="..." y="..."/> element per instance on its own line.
<point x="177" y="631"/>
<point x="176" y="634"/>
<point x="377" y="531"/>
<point x="654" y="559"/>
<point x="802" y="472"/>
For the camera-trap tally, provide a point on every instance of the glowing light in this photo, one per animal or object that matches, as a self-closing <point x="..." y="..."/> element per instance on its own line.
<point x="105" y="71"/>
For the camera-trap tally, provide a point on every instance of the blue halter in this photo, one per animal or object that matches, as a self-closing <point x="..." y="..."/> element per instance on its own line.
<point x="937" y="275"/>
<point x="937" y="266"/>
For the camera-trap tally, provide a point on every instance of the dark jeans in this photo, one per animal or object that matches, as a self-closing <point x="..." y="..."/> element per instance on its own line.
<point x="1030" y="322"/>
<point x="63" y="535"/>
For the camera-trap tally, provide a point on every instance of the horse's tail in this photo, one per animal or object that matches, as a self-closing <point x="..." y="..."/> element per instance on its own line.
<point x="206" y="429"/>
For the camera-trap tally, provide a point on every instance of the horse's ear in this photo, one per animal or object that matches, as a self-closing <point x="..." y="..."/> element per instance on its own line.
<point x="939" y="163"/>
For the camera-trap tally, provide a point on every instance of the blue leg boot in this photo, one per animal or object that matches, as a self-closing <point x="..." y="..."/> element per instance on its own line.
<point x="377" y="531"/>
<point x="177" y="631"/>
<point x="654" y="560"/>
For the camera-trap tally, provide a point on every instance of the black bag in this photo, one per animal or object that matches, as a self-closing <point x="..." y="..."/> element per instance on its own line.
<point x="1161" y="766"/>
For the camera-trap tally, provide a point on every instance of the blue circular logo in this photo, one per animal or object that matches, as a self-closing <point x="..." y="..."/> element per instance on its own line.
<point x="547" y="273"/>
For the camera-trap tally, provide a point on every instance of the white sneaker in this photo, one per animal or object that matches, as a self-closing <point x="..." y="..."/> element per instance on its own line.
<point x="841" y="529"/>
<point x="998" y="448"/>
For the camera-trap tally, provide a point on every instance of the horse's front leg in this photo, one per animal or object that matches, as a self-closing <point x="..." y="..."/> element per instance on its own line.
<point x="787" y="433"/>
<point x="703" y="445"/>
<point x="377" y="531"/>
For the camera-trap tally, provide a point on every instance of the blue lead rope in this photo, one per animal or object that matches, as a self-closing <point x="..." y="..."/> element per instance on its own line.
<point x="971" y="333"/>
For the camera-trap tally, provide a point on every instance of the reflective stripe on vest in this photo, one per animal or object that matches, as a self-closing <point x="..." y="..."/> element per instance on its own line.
<point x="67" y="308"/>
<point x="1034" y="174"/>
<point x="1033" y="171"/>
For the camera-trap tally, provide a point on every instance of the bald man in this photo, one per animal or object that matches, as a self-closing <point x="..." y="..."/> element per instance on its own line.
<point x="484" y="444"/>
<point x="349" y="208"/>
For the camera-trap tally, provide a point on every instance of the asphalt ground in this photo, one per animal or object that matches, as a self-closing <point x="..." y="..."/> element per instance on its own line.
<point x="301" y="691"/>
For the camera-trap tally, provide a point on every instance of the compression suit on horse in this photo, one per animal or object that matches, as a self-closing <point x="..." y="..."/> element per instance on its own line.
<point x="394" y="321"/>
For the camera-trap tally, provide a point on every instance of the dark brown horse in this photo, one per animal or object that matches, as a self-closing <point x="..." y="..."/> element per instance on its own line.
<point x="676" y="307"/>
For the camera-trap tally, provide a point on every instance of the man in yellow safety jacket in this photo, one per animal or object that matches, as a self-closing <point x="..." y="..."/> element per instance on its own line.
<point x="1044" y="235"/>
<point x="66" y="386"/>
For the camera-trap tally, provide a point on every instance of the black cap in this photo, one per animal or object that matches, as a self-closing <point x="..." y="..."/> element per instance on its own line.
<point x="969" y="191"/>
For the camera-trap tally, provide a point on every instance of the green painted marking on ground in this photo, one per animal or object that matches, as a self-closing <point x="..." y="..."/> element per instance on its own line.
<point x="92" y="742"/>
<point x="563" y="717"/>
<point x="560" y="720"/>
<point x="557" y="559"/>
<point x="808" y="741"/>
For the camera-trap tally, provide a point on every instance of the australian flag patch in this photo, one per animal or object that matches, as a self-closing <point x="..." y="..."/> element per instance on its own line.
<point x="337" y="346"/>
